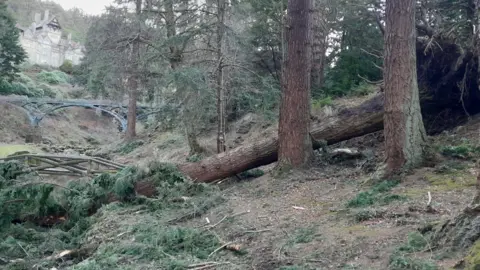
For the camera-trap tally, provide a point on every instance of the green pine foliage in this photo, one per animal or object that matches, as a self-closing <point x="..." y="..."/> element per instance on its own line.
<point x="26" y="198"/>
<point x="53" y="77"/>
<point x="11" y="52"/>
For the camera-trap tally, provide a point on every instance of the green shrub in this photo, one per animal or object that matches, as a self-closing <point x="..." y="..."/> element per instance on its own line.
<point x="320" y="103"/>
<point x="376" y="195"/>
<point x="19" y="89"/>
<point x="416" y="242"/>
<point x="47" y="90"/>
<point x="67" y="67"/>
<point x="363" y="89"/>
<point x="23" y="90"/>
<point x="62" y="75"/>
<point x="195" y="158"/>
<point x="5" y="87"/>
<point x="24" y="79"/>
<point x="462" y="151"/>
<point x="129" y="147"/>
<point x="53" y="77"/>
<point x="400" y="262"/>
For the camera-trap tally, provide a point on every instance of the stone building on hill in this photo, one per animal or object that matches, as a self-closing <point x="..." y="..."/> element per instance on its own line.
<point x="44" y="43"/>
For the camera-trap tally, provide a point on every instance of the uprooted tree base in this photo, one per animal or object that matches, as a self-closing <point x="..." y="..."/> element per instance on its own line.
<point x="448" y="81"/>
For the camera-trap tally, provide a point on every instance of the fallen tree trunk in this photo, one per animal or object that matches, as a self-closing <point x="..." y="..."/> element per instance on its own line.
<point x="348" y="123"/>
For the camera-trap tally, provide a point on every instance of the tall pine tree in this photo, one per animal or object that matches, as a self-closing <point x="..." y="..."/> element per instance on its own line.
<point x="404" y="129"/>
<point x="295" y="146"/>
<point x="11" y="52"/>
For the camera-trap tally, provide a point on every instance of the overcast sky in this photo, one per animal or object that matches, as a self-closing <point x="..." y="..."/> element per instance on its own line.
<point x="93" y="7"/>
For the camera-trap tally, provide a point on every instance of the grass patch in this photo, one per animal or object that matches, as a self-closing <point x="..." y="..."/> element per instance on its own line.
<point x="368" y="214"/>
<point x="303" y="235"/>
<point x="129" y="147"/>
<point x="6" y="150"/>
<point x="457" y="179"/>
<point x="450" y="167"/>
<point x="400" y="262"/>
<point x="195" y="158"/>
<point x="464" y="150"/>
<point x="401" y="258"/>
<point x="376" y="195"/>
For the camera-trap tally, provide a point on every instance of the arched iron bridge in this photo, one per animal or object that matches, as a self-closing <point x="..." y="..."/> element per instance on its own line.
<point x="38" y="109"/>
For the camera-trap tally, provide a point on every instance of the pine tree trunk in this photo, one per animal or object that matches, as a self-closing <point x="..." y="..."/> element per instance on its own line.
<point x="221" y="121"/>
<point x="133" y="83"/>
<point x="295" y="146"/>
<point x="404" y="130"/>
<point x="319" y="45"/>
<point x="132" y="109"/>
<point x="476" y="38"/>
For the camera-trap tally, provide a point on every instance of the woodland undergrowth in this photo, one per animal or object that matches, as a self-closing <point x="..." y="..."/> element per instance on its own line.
<point x="40" y="219"/>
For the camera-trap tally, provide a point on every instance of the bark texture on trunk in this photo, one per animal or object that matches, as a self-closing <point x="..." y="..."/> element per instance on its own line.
<point x="476" y="39"/>
<point x="133" y="83"/>
<point x="295" y="146"/>
<point x="132" y="109"/>
<point x="221" y="121"/>
<point x="404" y="130"/>
<point x="348" y="123"/>
<point x="175" y="56"/>
<point x="319" y="45"/>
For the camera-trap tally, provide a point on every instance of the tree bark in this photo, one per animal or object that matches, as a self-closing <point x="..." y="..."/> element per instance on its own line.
<point x="221" y="121"/>
<point x="404" y="130"/>
<point x="295" y="146"/>
<point x="319" y="45"/>
<point x="133" y="82"/>
<point x="348" y="123"/>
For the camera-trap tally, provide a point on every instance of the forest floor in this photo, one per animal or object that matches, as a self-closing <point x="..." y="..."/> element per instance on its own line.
<point x="329" y="217"/>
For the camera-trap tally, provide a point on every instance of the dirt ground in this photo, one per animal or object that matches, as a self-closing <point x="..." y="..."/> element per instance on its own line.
<point x="302" y="220"/>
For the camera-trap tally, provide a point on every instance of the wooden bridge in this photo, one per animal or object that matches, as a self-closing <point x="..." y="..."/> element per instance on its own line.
<point x="65" y="165"/>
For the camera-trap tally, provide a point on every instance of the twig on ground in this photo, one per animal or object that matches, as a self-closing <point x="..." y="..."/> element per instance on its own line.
<point x="168" y="255"/>
<point x="216" y="224"/>
<point x="15" y="201"/>
<point x="201" y="264"/>
<point x="220" y="248"/>
<point x="259" y="231"/>
<point x="224" y="218"/>
<point x="206" y="265"/>
<point x="26" y="253"/>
